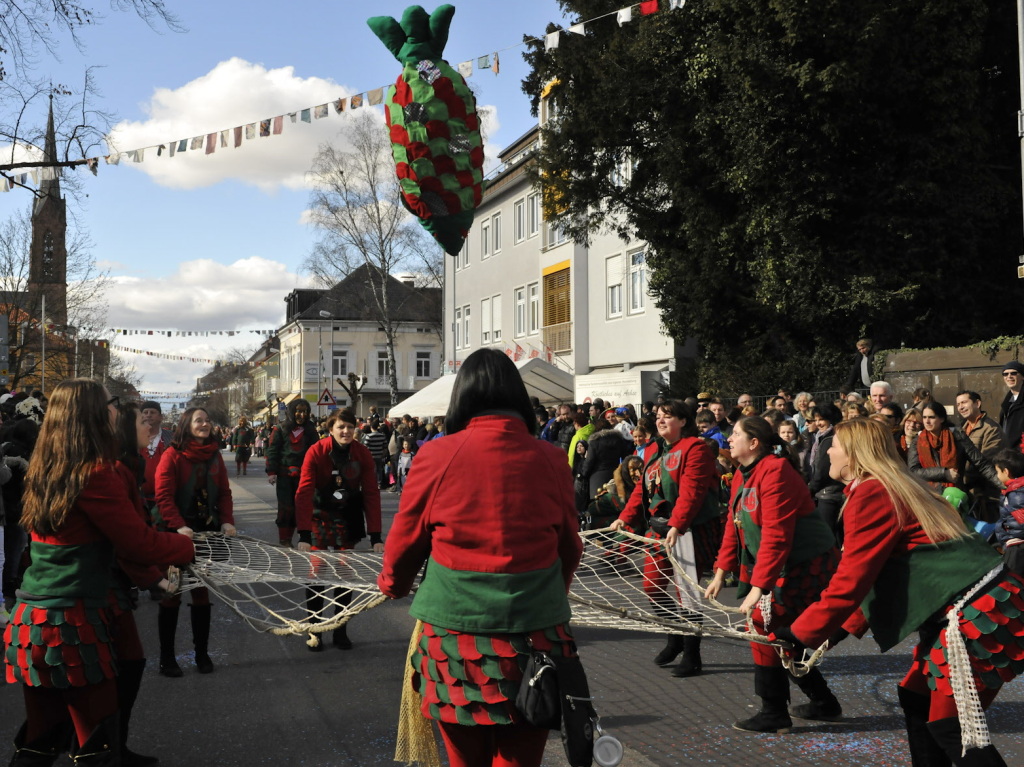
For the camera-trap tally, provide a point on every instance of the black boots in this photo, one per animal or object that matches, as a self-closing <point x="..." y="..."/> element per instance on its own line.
<point x="102" y="749"/>
<point x="691" y="664"/>
<point x="824" y="706"/>
<point x="339" y="638"/>
<point x="201" y="637"/>
<point x="946" y="733"/>
<point x="924" y="750"/>
<point x="672" y="648"/>
<point x="771" y="684"/>
<point x="167" y="625"/>
<point x="42" y="752"/>
<point x="129" y="678"/>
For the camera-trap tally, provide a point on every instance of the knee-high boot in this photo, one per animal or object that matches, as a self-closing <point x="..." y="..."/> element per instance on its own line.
<point x="924" y="750"/>
<point x="167" y="626"/>
<point x="339" y="638"/>
<point x="824" y="706"/>
<point x="129" y="679"/>
<point x="671" y="650"/>
<point x="201" y="637"/>
<point x="771" y="684"/>
<point x="103" y="748"/>
<point x="691" y="665"/>
<point x="314" y="606"/>
<point x="43" y="751"/>
<point x="947" y="734"/>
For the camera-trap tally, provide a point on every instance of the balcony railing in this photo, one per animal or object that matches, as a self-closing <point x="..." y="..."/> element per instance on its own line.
<point x="558" y="338"/>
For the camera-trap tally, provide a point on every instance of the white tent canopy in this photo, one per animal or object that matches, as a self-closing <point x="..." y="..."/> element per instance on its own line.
<point x="543" y="380"/>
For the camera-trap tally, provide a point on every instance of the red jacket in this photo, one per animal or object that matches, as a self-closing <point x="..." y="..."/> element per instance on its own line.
<point x="316" y="471"/>
<point x="173" y="472"/>
<point x="691" y="468"/>
<point x="872" y="536"/>
<point x="143" y="576"/>
<point x="152" y="462"/>
<point x="776" y="497"/>
<point x="488" y="499"/>
<point x="104" y="510"/>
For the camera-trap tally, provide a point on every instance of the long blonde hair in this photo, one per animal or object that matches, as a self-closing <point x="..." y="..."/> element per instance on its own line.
<point x="75" y="438"/>
<point x="872" y="452"/>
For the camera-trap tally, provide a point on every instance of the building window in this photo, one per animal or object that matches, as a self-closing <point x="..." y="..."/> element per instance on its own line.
<point x="613" y="278"/>
<point x="558" y="311"/>
<point x="462" y="260"/>
<point x="485" y="321"/>
<point x="465" y="327"/>
<point x="496" y="230"/>
<point x="496" y="318"/>
<point x="339" y="365"/>
<point x="458" y="328"/>
<point x="533" y="291"/>
<point x="485" y="239"/>
<point x="423" y="364"/>
<point x="519" y="220"/>
<point x="520" y="317"/>
<point x="533" y="214"/>
<point x="382" y="363"/>
<point x="555" y="235"/>
<point x="622" y="173"/>
<point x="637" y="281"/>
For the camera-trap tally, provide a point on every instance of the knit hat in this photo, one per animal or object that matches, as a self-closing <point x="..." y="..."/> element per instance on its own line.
<point x="1016" y="366"/>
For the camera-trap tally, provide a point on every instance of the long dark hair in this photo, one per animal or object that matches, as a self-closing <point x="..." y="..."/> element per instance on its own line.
<point x="183" y="432"/>
<point x="488" y="380"/>
<point x="128" y="435"/>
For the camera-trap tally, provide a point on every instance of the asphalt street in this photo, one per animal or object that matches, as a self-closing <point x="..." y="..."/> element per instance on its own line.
<point x="270" y="701"/>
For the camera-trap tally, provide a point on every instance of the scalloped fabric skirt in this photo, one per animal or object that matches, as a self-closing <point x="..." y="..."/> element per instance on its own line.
<point x="472" y="679"/>
<point x="59" y="647"/>
<point x="992" y="625"/>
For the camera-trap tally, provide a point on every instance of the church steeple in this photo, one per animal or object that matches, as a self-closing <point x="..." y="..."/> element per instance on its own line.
<point x="50" y="185"/>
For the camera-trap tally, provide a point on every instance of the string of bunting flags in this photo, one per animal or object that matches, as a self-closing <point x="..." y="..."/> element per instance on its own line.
<point x="184" y="358"/>
<point x="183" y="333"/>
<point x="233" y="137"/>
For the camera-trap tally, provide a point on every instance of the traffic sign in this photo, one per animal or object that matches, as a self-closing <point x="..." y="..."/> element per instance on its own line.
<point x="326" y="398"/>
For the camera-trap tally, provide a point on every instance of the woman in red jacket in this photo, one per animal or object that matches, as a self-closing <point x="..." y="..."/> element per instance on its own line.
<point x="784" y="554"/>
<point x="679" y="495"/>
<point x="935" y="578"/>
<point x="336" y="506"/>
<point x="490" y="508"/>
<point x="192" y="495"/>
<point x="59" y="641"/>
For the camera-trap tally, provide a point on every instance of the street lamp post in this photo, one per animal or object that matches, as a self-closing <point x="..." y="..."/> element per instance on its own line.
<point x="324" y="315"/>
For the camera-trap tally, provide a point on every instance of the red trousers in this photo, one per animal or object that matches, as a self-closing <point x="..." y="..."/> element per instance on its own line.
<point x="494" y="745"/>
<point x="48" y="707"/>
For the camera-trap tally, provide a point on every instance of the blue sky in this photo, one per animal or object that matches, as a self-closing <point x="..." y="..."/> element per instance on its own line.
<point x="216" y="242"/>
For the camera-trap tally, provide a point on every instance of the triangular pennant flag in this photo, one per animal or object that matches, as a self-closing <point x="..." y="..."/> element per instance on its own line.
<point x="172" y="148"/>
<point x="250" y="131"/>
<point x="211" y="143"/>
<point x="624" y="16"/>
<point x="495" y="67"/>
<point x="264" y="128"/>
<point x="197" y="142"/>
<point x="551" y="40"/>
<point x="160" y="150"/>
<point x="356" y="101"/>
<point x="578" y="29"/>
<point x="648" y="7"/>
<point x="305" y="115"/>
<point x="376" y="96"/>
<point x="238" y="136"/>
<point x="676" y="4"/>
<point x="339" y="106"/>
<point x="183" y="145"/>
<point x="223" y="139"/>
<point x="278" y="125"/>
<point x="466" y="68"/>
<point x="484" y="62"/>
<point x="319" y="111"/>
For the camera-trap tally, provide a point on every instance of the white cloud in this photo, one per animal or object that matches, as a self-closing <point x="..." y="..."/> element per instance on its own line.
<point x="233" y="93"/>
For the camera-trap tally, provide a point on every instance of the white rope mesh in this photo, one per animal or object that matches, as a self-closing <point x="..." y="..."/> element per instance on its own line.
<point x="286" y="591"/>
<point x="973" y="725"/>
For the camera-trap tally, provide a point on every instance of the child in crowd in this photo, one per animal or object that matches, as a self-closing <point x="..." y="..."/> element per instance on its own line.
<point x="405" y="461"/>
<point x="1010" y="531"/>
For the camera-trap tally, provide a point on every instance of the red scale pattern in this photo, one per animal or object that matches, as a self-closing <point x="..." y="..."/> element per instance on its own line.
<point x="448" y="699"/>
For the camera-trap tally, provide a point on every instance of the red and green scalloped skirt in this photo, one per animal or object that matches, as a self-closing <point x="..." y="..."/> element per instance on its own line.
<point x="992" y="625"/>
<point x="473" y="679"/>
<point x="59" y="647"/>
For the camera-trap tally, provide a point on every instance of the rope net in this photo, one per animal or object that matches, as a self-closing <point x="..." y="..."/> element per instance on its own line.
<point x="624" y="581"/>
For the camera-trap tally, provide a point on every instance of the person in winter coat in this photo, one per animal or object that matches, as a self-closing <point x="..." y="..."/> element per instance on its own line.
<point x="242" y="439"/>
<point x="286" y="450"/>
<point x="909" y="565"/>
<point x="1010" y="529"/>
<point x="605" y="449"/>
<point x="17" y="441"/>
<point x="500" y="538"/>
<point x="1011" y="410"/>
<point x="828" y="494"/>
<point x="779" y="547"/>
<point x="677" y="498"/>
<point x="940" y="454"/>
<point x="192" y="495"/>
<point x="60" y="641"/>
<point x="336" y="506"/>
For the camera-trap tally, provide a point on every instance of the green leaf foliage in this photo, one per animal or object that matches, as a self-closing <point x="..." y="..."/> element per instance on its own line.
<point x="804" y="172"/>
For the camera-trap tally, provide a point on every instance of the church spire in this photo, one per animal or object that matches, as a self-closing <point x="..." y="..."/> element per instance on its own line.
<point x="50" y="186"/>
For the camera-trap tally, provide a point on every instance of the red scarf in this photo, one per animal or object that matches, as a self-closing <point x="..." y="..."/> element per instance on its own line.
<point x="938" y="450"/>
<point x="196" y="452"/>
